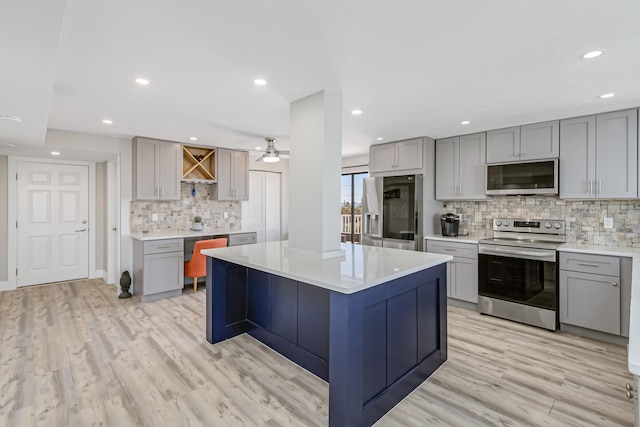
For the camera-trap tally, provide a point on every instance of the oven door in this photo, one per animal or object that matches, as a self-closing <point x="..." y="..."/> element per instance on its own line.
<point x="525" y="281"/>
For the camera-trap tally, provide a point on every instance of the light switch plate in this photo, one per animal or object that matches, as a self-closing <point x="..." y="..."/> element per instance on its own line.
<point x="225" y="215"/>
<point x="154" y="217"/>
<point x="608" y="223"/>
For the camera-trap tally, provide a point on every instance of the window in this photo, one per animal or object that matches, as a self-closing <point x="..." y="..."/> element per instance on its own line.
<point x="351" y="209"/>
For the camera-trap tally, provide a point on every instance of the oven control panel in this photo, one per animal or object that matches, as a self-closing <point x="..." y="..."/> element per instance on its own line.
<point x="545" y="226"/>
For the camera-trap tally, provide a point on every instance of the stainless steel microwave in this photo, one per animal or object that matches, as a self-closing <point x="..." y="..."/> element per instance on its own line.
<point x="538" y="177"/>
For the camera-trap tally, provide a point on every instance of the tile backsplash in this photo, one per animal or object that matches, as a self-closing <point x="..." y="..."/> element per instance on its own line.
<point x="177" y="215"/>
<point x="583" y="218"/>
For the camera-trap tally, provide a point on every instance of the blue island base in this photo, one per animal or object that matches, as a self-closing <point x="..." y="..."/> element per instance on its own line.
<point x="373" y="347"/>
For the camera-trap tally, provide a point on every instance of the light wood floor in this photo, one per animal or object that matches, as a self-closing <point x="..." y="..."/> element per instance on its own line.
<point x="74" y="354"/>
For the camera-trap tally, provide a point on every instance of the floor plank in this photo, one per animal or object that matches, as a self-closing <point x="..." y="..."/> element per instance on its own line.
<point x="74" y="354"/>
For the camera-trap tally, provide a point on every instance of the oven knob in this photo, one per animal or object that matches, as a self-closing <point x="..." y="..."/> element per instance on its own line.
<point x="547" y="225"/>
<point x="506" y="223"/>
<point x="557" y="226"/>
<point x="498" y="223"/>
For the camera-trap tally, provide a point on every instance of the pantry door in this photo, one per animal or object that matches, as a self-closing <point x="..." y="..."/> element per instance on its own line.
<point x="52" y="223"/>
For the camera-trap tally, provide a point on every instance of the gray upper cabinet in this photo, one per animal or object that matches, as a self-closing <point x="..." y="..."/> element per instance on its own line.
<point x="396" y="156"/>
<point x="460" y="163"/>
<point x="503" y="145"/>
<point x="157" y="169"/>
<point x="232" y="174"/>
<point x="524" y="143"/>
<point x="599" y="156"/>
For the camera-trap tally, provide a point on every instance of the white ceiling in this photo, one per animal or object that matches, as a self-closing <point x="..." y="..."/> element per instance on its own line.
<point x="414" y="67"/>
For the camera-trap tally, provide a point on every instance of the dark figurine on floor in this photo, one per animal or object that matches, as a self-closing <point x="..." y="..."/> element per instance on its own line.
<point x="125" y="284"/>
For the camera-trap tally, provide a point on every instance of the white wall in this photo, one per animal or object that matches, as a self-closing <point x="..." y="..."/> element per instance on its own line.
<point x="4" y="211"/>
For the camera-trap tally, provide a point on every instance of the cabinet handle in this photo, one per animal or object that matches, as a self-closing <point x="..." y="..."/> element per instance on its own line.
<point x="165" y="246"/>
<point x="161" y="192"/>
<point x="590" y="186"/>
<point x="599" y="186"/>
<point x="460" y="194"/>
<point x="523" y="154"/>
<point x="155" y="191"/>
<point x="449" y="249"/>
<point x="516" y="155"/>
<point x="588" y="264"/>
<point x="614" y="284"/>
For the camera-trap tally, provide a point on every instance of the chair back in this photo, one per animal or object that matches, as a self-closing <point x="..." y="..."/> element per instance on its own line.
<point x="198" y="261"/>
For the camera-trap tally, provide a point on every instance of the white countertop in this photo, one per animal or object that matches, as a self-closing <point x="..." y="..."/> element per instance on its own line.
<point x="469" y="238"/>
<point x="361" y="267"/>
<point x="184" y="234"/>
<point x="634" y="322"/>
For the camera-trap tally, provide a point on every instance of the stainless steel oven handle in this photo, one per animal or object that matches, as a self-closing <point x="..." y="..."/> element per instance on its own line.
<point x="542" y="256"/>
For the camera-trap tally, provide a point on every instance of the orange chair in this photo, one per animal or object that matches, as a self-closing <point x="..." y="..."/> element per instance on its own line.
<point x="197" y="266"/>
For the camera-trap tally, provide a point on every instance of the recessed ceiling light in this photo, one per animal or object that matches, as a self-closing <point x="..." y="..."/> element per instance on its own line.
<point x="607" y="95"/>
<point x="260" y="82"/>
<point x="55" y="153"/>
<point x="258" y="148"/>
<point x="12" y="118"/>
<point x="107" y="122"/>
<point x="356" y="112"/>
<point x="593" y="54"/>
<point x="379" y="139"/>
<point x="465" y="122"/>
<point x="193" y="138"/>
<point x="142" y="81"/>
<point x="11" y="145"/>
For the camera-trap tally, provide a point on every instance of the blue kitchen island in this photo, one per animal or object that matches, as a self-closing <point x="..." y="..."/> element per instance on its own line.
<point x="372" y="322"/>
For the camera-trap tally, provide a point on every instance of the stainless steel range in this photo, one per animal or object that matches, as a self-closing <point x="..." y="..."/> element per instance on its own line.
<point x="517" y="271"/>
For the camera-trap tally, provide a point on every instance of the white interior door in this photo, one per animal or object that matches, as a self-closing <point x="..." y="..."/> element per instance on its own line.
<point x="273" y="206"/>
<point x="52" y="226"/>
<point x="253" y="210"/>
<point x="263" y="211"/>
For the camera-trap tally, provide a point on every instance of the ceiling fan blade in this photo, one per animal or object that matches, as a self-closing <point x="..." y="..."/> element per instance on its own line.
<point x="283" y="152"/>
<point x="260" y="158"/>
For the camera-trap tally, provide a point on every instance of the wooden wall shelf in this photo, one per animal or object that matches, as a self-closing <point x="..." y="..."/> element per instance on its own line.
<point x="198" y="164"/>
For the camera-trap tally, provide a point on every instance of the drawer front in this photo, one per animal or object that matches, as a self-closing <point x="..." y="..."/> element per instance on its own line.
<point x="161" y="246"/>
<point x="242" y="239"/>
<point x="596" y="264"/>
<point x="465" y="250"/>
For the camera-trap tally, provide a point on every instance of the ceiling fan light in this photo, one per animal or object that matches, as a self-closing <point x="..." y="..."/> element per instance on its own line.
<point x="270" y="158"/>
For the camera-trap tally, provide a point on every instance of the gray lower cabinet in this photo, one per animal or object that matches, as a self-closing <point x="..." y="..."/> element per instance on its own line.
<point x="462" y="272"/>
<point x="158" y="268"/>
<point x="590" y="292"/>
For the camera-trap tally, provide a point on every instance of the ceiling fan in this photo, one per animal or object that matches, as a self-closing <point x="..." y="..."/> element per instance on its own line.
<point x="271" y="154"/>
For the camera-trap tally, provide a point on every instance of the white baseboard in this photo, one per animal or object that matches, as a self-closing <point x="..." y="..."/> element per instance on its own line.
<point x="98" y="274"/>
<point x="7" y="286"/>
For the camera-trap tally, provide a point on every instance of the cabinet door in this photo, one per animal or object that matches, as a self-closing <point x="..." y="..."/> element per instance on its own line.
<point x="617" y="154"/>
<point x="446" y="168"/>
<point x="577" y="158"/>
<point x="465" y="283"/>
<point x="223" y="187"/>
<point x="163" y="272"/>
<point x="169" y="170"/>
<point x="540" y="141"/>
<point x="382" y="158"/>
<point x="471" y="167"/>
<point x="145" y="186"/>
<point x="240" y="175"/>
<point x="408" y="154"/>
<point x="590" y="301"/>
<point x="503" y="145"/>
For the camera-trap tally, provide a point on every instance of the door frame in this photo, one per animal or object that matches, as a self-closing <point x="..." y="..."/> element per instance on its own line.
<point x="12" y="214"/>
<point x="113" y="220"/>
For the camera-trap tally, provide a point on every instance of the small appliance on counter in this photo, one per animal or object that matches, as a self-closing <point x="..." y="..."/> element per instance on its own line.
<point x="450" y="224"/>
